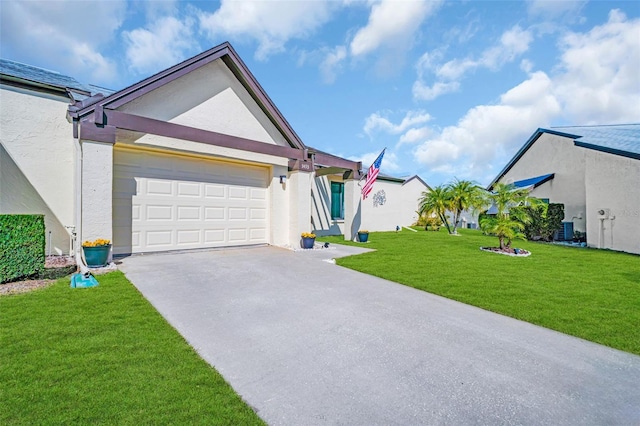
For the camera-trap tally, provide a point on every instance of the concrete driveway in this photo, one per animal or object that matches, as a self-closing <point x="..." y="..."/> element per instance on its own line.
<point x="306" y="342"/>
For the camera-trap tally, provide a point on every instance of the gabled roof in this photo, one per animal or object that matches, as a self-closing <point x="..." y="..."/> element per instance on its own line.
<point x="419" y="179"/>
<point x="534" y="181"/>
<point x="228" y="55"/>
<point x="618" y="139"/>
<point x="17" y="72"/>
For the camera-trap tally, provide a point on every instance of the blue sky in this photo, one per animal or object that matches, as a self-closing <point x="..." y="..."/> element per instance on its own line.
<point x="452" y="89"/>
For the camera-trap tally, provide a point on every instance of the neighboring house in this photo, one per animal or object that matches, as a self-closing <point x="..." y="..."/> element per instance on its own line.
<point x="195" y="156"/>
<point x="594" y="171"/>
<point x="392" y="203"/>
<point x="37" y="150"/>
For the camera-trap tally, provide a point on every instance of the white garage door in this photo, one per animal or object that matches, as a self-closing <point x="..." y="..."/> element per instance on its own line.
<point x="169" y="202"/>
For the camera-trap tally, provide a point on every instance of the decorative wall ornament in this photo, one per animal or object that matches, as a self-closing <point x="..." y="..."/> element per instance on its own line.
<point x="379" y="198"/>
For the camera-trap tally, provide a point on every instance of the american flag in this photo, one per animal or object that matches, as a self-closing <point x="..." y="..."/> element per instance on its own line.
<point x="372" y="174"/>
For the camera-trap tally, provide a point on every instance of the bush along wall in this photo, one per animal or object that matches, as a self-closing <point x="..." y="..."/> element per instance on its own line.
<point x="545" y="220"/>
<point x="22" y="246"/>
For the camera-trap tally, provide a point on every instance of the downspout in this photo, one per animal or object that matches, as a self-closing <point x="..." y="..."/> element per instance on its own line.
<point x="84" y="270"/>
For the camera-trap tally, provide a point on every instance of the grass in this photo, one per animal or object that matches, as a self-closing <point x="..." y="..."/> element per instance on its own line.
<point x="104" y="355"/>
<point x="588" y="293"/>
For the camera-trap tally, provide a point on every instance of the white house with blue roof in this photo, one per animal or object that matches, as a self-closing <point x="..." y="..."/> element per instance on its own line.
<point x="594" y="171"/>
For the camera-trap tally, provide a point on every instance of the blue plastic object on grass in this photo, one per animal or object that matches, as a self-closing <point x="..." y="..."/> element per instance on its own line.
<point x="80" y="281"/>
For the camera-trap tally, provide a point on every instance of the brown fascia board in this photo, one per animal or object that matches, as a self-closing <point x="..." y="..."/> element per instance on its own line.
<point x="23" y="83"/>
<point x="231" y="59"/>
<point x="136" y="123"/>
<point x="330" y="160"/>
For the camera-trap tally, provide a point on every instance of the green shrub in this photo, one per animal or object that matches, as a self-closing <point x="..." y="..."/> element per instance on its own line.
<point x="22" y="246"/>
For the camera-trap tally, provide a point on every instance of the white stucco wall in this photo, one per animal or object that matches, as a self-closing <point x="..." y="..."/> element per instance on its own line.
<point x="279" y="208"/>
<point x="559" y="155"/>
<point x="299" y="187"/>
<point x="97" y="191"/>
<point x="321" y="221"/>
<point x="613" y="184"/>
<point x="209" y="98"/>
<point x="398" y="209"/>
<point x="38" y="159"/>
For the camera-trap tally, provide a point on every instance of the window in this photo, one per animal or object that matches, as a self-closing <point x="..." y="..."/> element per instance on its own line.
<point x="337" y="200"/>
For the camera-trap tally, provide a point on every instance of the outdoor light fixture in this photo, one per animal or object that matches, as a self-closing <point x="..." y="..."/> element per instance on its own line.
<point x="283" y="179"/>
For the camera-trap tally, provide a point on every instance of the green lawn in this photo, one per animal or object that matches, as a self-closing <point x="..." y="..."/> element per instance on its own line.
<point x="104" y="355"/>
<point x="592" y="294"/>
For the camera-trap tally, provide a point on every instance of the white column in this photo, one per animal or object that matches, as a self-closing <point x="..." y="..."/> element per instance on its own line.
<point x="352" y="209"/>
<point x="279" y="208"/>
<point x="97" y="190"/>
<point x="299" y="187"/>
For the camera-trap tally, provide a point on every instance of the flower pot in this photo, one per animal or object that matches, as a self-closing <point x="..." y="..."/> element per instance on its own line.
<point x="97" y="256"/>
<point x="308" y="243"/>
<point x="363" y="237"/>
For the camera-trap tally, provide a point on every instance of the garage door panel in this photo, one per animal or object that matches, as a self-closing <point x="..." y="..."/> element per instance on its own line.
<point x="189" y="213"/>
<point x="238" y="235"/>
<point x="189" y="236"/>
<point x="258" y="214"/>
<point x="155" y="187"/>
<point x="158" y="238"/>
<point x="214" y="191"/>
<point x="238" y="193"/>
<point x="214" y="236"/>
<point x="237" y="213"/>
<point x="159" y="213"/>
<point x="189" y="189"/>
<point x="214" y="213"/>
<point x="167" y="202"/>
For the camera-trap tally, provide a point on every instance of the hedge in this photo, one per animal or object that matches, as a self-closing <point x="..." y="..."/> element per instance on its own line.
<point x="22" y="246"/>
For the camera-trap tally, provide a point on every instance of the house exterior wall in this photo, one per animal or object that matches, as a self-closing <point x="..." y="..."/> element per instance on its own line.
<point x="555" y="154"/>
<point x="391" y="204"/>
<point x="373" y="214"/>
<point x="321" y="222"/>
<point x="208" y="98"/>
<point x="97" y="191"/>
<point x="612" y="184"/>
<point x="37" y="170"/>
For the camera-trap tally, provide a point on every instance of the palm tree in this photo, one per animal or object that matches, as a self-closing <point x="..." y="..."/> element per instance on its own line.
<point x="437" y="201"/>
<point x="464" y="195"/>
<point x="509" y="221"/>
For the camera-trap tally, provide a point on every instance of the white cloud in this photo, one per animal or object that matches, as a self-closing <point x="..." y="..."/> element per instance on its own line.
<point x="513" y="43"/>
<point x="486" y="131"/>
<point x="426" y="93"/>
<point x="389" y="161"/>
<point x="63" y="34"/>
<point x="332" y="64"/>
<point x="377" y="121"/>
<point x="270" y="23"/>
<point x="596" y="82"/>
<point x="163" y="43"/>
<point x="414" y="135"/>
<point x="390" y="23"/>
<point x="553" y="9"/>
<point x="598" y="77"/>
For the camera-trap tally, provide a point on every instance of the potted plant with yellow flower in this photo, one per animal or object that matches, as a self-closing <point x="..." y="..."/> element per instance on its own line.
<point x="96" y="253"/>
<point x="308" y="240"/>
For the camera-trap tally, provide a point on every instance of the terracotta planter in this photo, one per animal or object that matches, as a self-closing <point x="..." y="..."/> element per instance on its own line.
<point x="97" y="256"/>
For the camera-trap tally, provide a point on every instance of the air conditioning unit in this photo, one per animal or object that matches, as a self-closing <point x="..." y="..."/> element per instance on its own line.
<point x="604" y="213"/>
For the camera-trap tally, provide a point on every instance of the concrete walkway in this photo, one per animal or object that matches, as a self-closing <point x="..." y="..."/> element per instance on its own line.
<point x="306" y="342"/>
